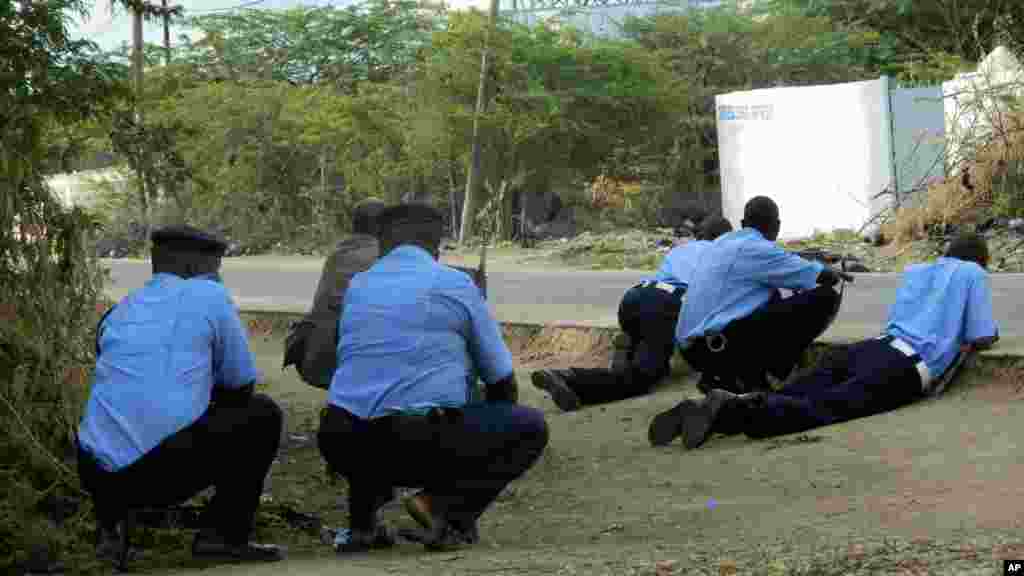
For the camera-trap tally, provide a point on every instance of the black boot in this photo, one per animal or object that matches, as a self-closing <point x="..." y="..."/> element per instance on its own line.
<point x="555" y="383"/>
<point x="721" y="412"/>
<point x="668" y="425"/>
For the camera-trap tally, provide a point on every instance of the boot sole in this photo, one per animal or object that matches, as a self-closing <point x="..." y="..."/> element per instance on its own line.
<point x="561" y="395"/>
<point x="696" y="425"/>
<point x="698" y="418"/>
<point x="666" y="426"/>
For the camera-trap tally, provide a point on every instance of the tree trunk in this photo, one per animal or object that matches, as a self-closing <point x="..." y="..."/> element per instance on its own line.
<point x="473" y="182"/>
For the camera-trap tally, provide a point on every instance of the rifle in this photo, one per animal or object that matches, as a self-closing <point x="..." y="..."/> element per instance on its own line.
<point x="479" y="275"/>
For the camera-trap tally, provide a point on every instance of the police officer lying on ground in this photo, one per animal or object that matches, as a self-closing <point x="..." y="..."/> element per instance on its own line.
<point x="312" y="345"/>
<point x="172" y="410"/>
<point x="648" y="316"/>
<point x="735" y="327"/>
<point x="411" y="332"/>
<point x="942" y="309"/>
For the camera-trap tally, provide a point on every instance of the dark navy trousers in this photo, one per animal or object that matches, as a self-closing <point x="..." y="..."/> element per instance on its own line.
<point x="770" y="340"/>
<point x="867" y="378"/>
<point x="463" y="461"/>
<point x="230" y="447"/>
<point x="648" y="315"/>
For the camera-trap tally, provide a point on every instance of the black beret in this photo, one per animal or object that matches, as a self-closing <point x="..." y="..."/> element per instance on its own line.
<point x="404" y="214"/>
<point x="188" y="238"/>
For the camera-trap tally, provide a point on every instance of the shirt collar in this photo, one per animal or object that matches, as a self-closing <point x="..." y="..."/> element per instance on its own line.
<point x="164" y="277"/>
<point x="411" y="252"/>
<point x="753" y="232"/>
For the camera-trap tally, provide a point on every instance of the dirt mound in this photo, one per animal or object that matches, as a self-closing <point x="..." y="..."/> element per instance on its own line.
<point x="553" y="347"/>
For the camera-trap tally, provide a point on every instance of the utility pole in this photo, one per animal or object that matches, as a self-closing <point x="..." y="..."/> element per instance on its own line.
<point x="137" y="63"/>
<point x="137" y="59"/>
<point x="473" y="183"/>
<point x="167" y="34"/>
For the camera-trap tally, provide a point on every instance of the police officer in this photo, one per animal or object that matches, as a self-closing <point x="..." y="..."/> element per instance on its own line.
<point x="648" y="315"/>
<point x="172" y="409"/>
<point x="412" y="333"/>
<point x="312" y="344"/>
<point x="735" y="327"/>
<point x="942" y="309"/>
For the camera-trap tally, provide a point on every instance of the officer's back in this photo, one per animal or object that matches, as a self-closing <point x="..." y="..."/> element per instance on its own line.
<point x="412" y="331"/>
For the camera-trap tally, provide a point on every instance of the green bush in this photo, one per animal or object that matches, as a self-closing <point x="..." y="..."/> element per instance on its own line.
<point x="49" y="289"/>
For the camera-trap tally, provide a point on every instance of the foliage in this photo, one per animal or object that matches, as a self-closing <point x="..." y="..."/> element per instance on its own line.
<point x="560" y="110"/>
<point x="48" y="284"/>
<point x="374" y="41"/>
<point x="926" y="40"/>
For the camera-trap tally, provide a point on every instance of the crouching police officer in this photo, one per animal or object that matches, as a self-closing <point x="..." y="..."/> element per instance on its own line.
<point x="648" y="316"/>
<point x="172" y="409"/>
<point x="413" y="333"/>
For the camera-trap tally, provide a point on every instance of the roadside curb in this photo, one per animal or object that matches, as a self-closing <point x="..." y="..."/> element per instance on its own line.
<point x="1011" y="348"/>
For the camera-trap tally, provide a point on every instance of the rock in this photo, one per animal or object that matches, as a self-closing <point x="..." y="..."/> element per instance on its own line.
<point x="1017" y="225"/>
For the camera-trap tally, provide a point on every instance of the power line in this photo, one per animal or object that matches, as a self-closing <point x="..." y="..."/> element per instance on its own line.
<point x="240" y="6"/>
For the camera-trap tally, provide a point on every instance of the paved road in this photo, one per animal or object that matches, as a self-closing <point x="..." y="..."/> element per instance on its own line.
<point x="552" y="296"/>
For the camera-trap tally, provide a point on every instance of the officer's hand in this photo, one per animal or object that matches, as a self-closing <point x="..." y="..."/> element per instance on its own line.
<point x="505" y="390"/>
<point x="232" y="397"/>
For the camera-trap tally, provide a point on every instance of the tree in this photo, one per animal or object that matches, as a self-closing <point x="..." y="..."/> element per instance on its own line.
<point x="48" y="284"/>
<point x="374" y="41"/>
<point x="929" y="40"/>
<point x="560" y="106"/>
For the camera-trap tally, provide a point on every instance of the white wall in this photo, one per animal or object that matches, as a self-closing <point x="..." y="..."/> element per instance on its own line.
<point x="821" y="152"/>
<point x="81" y="188"/>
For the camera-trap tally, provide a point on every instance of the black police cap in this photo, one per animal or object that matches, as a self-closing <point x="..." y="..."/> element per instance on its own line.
<point x="188" y="238"/>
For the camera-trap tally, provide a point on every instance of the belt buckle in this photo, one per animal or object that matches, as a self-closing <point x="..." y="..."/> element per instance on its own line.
<point x="720" y="338"/>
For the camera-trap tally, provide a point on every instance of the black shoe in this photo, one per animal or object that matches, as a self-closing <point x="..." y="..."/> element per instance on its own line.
<point x="698" y="418"/>
<point x="212" y="548"/>
<point x="668" y="425"/>
<point x="554" y="384"/>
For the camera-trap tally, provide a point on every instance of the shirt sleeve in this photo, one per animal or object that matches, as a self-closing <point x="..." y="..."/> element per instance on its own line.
<point x="980" y="322"/>
<point x="233" y="362"/>
<point x="769" y="264"/>
<point x="487" y="347"/>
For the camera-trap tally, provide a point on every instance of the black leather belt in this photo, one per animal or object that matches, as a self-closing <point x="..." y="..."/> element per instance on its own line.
<point x="908" y="351"/>
<point x="434" y="417"/>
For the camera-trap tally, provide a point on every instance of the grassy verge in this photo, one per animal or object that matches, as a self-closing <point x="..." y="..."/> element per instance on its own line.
<point x="571" y="515"/>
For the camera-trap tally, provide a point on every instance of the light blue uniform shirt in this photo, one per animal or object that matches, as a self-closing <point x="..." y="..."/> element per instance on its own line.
<point x="411" y="332"/>
<point x="939" y="307"/>
<point x="679" y="264"/>
<point x="735" y="276"/>
<point x="162" y="350"/>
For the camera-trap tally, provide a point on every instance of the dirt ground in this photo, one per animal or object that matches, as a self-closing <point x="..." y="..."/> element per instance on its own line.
<point x="930" y="489"/>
